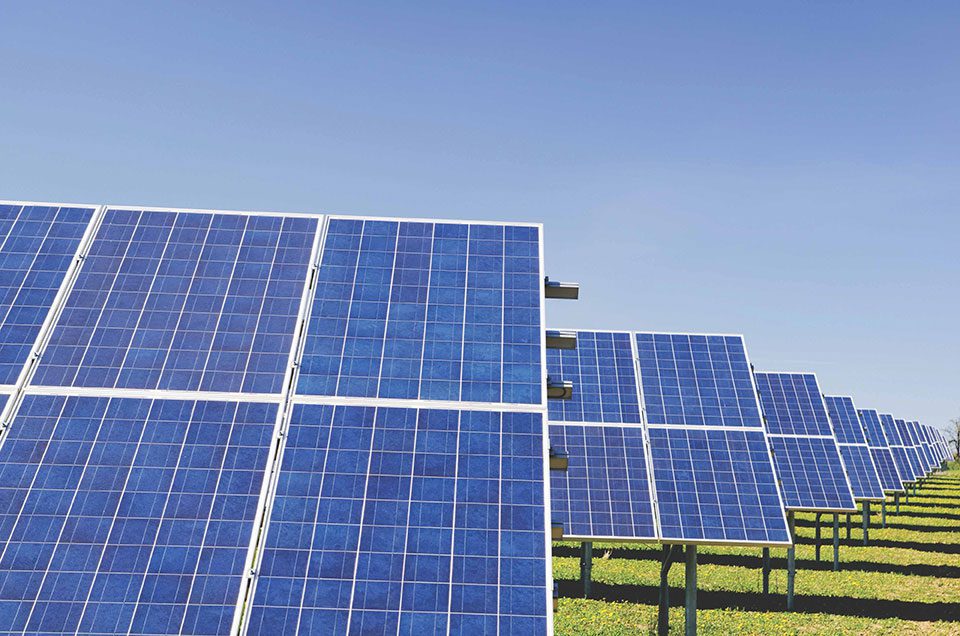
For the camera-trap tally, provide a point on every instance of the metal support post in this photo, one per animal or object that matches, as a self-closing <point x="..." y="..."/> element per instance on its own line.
<point x="848" y="526"/>
<point x="836" y="542"/>
<point x="866" y="522"/>
<point x="663" y="613"/>
<point x="896" y="502"/>
<point x="791" y="561"/>
<point x="766" y="570"/>
<point x="816" y="540"/>
<point x="883" y="513"/>
<point x="586" y="566"/>
<point x="690" y="613"/>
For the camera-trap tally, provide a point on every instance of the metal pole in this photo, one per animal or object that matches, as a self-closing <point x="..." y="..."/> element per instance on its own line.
<point x="663" y="613"/>
<point x="883" y="513"/>
<point x="766" y="570"/>
<point x="690" y="615"/>
<point x="866" y="522"/>
<point x="816" y="543"/>
<point x="896" y="501"/>
<point x="906" y="497"/>
<point x="586" y="565"/>
<point x="791" y="562"/>
<point x="836" y="542"/>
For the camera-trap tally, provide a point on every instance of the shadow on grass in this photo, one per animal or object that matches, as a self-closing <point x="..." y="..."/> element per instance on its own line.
<point x="826" y="527"/>
<point x="924" y="515"/>
<point x="943" y="548"/>
<point x="780" y="563"/>
<point x="755" y="601"/>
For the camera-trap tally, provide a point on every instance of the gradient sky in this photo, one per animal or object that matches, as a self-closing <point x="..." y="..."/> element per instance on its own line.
<point x="791" y="173"/>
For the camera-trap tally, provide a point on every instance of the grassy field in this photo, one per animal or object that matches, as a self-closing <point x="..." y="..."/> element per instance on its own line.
<point x="907" y="581"/>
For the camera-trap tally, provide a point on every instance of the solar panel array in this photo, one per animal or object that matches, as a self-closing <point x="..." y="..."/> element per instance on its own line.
<point x="922" y="445"/>
<point x="805" y="452"/>
<point x="912" y="453"/>
<point x="428" y="518"/>
<point x="864" y="479"/>
<point x="605" y="491"/>
<point x="133" y="472"/>
<point x="880" y="451"/>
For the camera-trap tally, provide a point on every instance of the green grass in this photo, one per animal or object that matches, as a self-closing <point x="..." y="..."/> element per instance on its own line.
<point x="907" y="581"/>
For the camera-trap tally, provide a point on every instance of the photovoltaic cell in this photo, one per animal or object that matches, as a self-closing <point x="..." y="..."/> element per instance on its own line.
<point x="696" y="380"/>
<point x="716" y="485"/>
<point x="604" y="379"/>
<point x="805" y="452"/>
<point x="128" y="515"/>
<point x="605" y="491"/>
<point x="864" y="479"/>
<point x="183" y="300"/>
<point x="922" y="445"/>
<point x="37" y="246"/>
<point x="897" y="448"/>
<point x="406" y="521"/>
<point x="880" y="451"/>
<point x="435" y="311"/>
<point x="913" y="455"/>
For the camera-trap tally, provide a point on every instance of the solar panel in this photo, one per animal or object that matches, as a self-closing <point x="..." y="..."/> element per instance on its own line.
<point x="128" y="515"/>
<point x="922" y="445"/>
<point x="605" y="491"/>
<point x="805" y="452"/>
<point x="713" y="475"/>
<point x="435" y="311"/>
<point x="880" y="451"/>
<point x="38" y="244"/>
<point x="401" y="520"/>
<point x="604" y="377"/>
<point x="864" y="479"/>
<point x="183" y="301"/>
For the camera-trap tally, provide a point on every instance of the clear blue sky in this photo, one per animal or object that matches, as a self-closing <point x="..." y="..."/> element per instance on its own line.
<point x="791" y="173"/>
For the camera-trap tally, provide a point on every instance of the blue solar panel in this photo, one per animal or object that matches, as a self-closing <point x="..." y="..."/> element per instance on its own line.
<point x="843" y="416"/>
<point x="716" y="485"/>
<point x="406" y="521"/>
<point x="37" y="246"/>
<point x="923" y="445"/>
<point x="864" y="479"/>
<point x="605" y="491"/>
<point x="870" y="420"/>
<point x="183" y="300"/>
<point x="438" y="311"/>
<point x="604" y="379"/>
<point x="696" y="380"/>
<point x="128" y="515"/>
<point x="913" y="455"/>
<point x="805" y="451"/>
<point x="811" y="473"/>
<point x="792" y="404"/>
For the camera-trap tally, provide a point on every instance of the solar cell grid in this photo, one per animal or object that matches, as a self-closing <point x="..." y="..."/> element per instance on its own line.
<point x="716" y="486"/>
<point x="843" y="416"/>
<point x="696" y="380"/>
<point x="128" y="515"/>
<point x="405" y="521"/>
<point x="183" y="300"/>
<point x="870" y="420"/>
<point x="605" y="491"/>
<point x="792" y="404"/>
<point x="811" y="474"/>
<point x="420" y="310"/>
<point x="38" y="244"/>
<point x="604" y="378"/>
<point x="864" y="479"/>
<point x="911" y="453"/>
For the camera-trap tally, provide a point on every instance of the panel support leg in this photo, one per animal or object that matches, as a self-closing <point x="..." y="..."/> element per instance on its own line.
<point x="766" y="570"/>
<point x="896" y="502"/>
<point x="848" y="526"/>
<point x="586" y="566"/>
<point x="816" y="540"/>
<point x="791" y="561"/>
<point x="836" y="542"/>
<point x="866" y="522"/>
<point x="906" y="497"/>
<point x="663" y="612"/>
<point x="690" y="613"/>
<point x="883" y="513"/>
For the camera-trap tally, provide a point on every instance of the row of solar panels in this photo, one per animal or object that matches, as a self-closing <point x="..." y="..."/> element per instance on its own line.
<point x="217" y="422"/>
<point x="673" y="437"/>
<point x="270" y="423"/>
